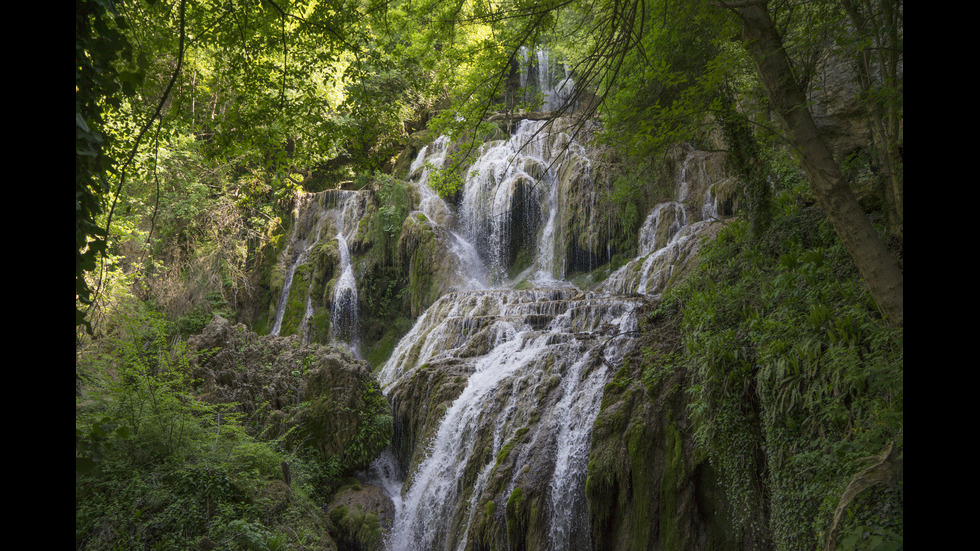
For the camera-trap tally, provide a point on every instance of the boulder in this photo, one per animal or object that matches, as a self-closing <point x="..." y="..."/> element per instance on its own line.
<point x="361" y="516"/>
<point x="319" y="397"/>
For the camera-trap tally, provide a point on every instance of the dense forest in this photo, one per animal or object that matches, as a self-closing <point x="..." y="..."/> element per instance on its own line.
<point x="700" y="262"/>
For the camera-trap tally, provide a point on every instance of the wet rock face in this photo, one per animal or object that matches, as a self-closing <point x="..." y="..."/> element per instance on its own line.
<point x="648" y="484"/>
<point x="419" y="402"/>
<point x="322" y="397"/>
<point x="494" y="391"/>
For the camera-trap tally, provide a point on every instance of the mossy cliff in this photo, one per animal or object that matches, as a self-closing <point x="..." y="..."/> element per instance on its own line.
<point x="764" y="408"/>
<point x="649" y="486"/>
<point x="400" y="264"/>
<point x="419" y="404"/>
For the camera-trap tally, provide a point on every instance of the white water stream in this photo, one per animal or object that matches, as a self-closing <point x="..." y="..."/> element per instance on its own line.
<point x="313" y="215"/>
<point x="537" y="359"/>
<point x="531" y="364"/>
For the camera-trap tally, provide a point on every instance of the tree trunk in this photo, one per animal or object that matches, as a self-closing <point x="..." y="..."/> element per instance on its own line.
<point x="878" y="265"/>
<point x="877" y="65"/>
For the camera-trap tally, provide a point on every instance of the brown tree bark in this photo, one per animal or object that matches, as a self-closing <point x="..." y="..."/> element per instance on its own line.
<point x="876" y="263"/>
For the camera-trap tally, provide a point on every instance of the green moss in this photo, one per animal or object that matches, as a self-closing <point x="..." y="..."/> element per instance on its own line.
<point x="321" y="326"/>
<point x="421" y="278"/>
<point x="522" y="285"/>
<point x="516" y="519"/>
<point x="674" y="473"/>
<point x="338" y="515"/>
<point x="506" y="448"/>
<point x="295" y="308"/>
<point x="261" y="324"/>
<point x="381" y="350"/>
<point x="357" y="528"/>
<point x="522" y="260"/>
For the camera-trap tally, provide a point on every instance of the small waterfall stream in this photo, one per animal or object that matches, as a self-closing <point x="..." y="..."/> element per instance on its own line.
<point x="314" y="215"/>
<point x="343" y="306"/>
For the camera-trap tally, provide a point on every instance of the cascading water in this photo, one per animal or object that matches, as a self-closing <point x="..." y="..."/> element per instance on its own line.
<point x="536" y="362"/>
<point x="343" y="306"/>
<point x="667" y="235"/>
<point x="473" y="271"/>
<point x="509" y="207"/>
<point x="553" y="86"/>
<point x="304" y="236"/>
<point x="506" y="197"/>
<point x="512" y="380"/>
<point x="314" y="214"/>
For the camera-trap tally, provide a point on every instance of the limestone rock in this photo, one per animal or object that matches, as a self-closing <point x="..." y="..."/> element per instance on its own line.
<point x="319" y="396"/>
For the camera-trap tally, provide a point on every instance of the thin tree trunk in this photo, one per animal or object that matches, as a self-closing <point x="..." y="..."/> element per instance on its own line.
<point x="882" y="58"/>
<point x="878" y="265"/>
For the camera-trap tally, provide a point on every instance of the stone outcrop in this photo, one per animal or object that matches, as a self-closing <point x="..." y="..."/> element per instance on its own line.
<point x="360" y="515"/>
<point x="317" y="396"/>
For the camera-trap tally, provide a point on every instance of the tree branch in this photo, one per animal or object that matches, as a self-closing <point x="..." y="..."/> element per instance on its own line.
<point x="139" y="138"/>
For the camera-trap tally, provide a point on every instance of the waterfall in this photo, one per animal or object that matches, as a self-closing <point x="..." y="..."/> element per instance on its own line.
<point x="313" y="215"/>
<point x="510" y="209"/>
<point x="510" y="380"/>
<point x="521" y="344"/>
<point x="343" y="305"/>
<point x="668" y="234"/>
<point x="551" y="90"/>
<point x="297" y="250"/>
<point x="473" y="271"/>
<point x="504" y="195"/>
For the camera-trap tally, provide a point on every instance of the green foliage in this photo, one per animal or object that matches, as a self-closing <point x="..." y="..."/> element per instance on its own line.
<point x="385" y="286"/>
<point x="746" y="159"/>
<point x="157" y="468"/>
<point x="375" y="428"/>
<point x="795" y="376"/>
<point x="100" y="43"/>
<point x="448" y="180"/>
<point x="628" y="196"/>
<point x="665" y="87"/>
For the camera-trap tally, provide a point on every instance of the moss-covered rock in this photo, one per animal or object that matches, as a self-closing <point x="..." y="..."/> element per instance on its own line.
<point x="420" y="401"/>
<point x="360" y="517"/>
<point x="649" y="486"/>
<point x="317" y="397"/>
<point x="423" y="249"/>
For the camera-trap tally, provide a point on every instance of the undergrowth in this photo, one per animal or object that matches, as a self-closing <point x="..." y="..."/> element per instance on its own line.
<point x="156" y="468"/>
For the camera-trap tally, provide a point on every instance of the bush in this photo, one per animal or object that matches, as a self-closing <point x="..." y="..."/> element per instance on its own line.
<point x="157" y="468"/>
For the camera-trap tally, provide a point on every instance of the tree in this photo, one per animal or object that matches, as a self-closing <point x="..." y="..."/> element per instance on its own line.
<point x="99" y="43"/>
<point x="260" y="83"/>
<point x="876" y="47"/>
<point x="878" y="265"/>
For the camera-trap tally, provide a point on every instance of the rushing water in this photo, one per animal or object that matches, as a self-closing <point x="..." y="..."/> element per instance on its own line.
<point x="538" y="360"/>
<point x="315" y="214"/>
<point x="535" y="361"/>
<point x="528" y="365"/>
<point x="527" y="353"/>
